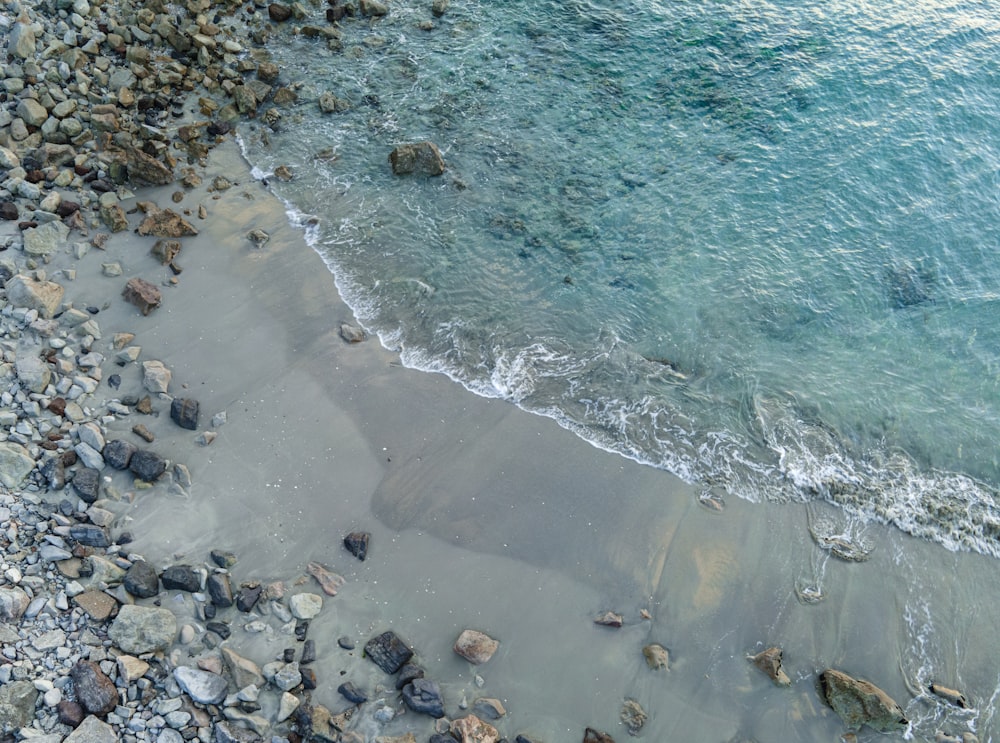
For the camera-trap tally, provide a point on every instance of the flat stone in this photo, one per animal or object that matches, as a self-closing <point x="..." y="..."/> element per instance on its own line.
<point x="242" y="671"/>
<point x="388" y="652"/>
<point x="489" y="708"/>
<point x="143" y="629"/>
<point x="94" y="689"/>
<point x="90" y="535"/>
<point x="15" y="464"/>
<point x="27" y="291"/>
<point x="98" y="605"/>
<point x="156" y="376"/>
<point x="17" y="704"/>
<point x="476" y="647"/>
<point x="203" y="687"/>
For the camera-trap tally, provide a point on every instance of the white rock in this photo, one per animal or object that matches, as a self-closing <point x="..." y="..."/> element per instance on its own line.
<point x="306" y="605"/>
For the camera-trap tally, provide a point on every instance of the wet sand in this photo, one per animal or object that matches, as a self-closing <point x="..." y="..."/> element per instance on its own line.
<point x="487" y="517"/>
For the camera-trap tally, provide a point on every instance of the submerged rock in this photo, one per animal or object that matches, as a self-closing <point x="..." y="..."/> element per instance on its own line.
<point x="861" y="702"/>
<point x="418" y="158"/>
<point x="769" y="661"/>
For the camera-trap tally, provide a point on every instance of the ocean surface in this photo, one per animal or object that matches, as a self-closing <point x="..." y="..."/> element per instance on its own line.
<point x="751" y="243"/>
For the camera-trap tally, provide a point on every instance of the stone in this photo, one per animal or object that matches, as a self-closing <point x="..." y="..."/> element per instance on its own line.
<point x="203" y="687"/>
<point x="476" y="647"/>
<point x="92" y="730"/>
<point x="595" y="736"/>
<point x="373" y="8"/>
<point x="45" y="239"/>
<point x="439" y="8"/>
<point x="633" y="716"/>
<point x="242" y="671"/>
<point x="181" y="578"/>
<point x="287" y="677"/>
<point x="769" y="661"/>
<point x="248" y="596"/>
<point x="610" y="619"/>
<point x="142" y="294"/>
<point x="155" y="376"/>
<point x="408" y="673"/>
<point x="118" y="453"/>
<point x="9" y="211"/>
<point x="147" y="465"/>
<point x="184" y="412"/>
<point x="90" y="535"/>
<point x="418" y="158"/>
<point x="859" y="702"/>
<point x="305" y="605"/>
<point x="31" y="112"/>
<point x="13" y="603"/>
<point x="17" y="704"/>
<point x="357" y="544"/>
<point x="115" y="219"/>
<point x="656" y="657"/>
<point x="89" y="456"/>
<point x="15" y="464"/>
<point x="33" y="373"/>
<point x="94" y="690"/>
<point x="97" y="604"/>
<point x="424" y="696"/>
<point x="21" y="41"/>
<point x="352" y="333"/>
<point x="166" y="250"/>
<point x="70" y="713"/>
<point x="87" y="483"/>
<point x="329" y="581"/>
<point x="143" y="629"/>
<point x="219" y="590"/>
<point x="278" y="12"/>
<point x="352" y="693"/>
<point x="470" y="729"/>
<point x="388" y="652"/>
<point x="27" y="291"/>
<point x="489" y="708"/>
<point x="166" y="223"/>
<point x="146" y="168"/>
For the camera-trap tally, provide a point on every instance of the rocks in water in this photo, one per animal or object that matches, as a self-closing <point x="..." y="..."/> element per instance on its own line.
<point x="418" y="158"/>
<point x="633" y="716"/>
<point x="609" y="619"/>
<point x="220" y="590"/>
<point x="475" y="646"/>
<point x="142" y="294"/>
<point x="184" y="412"/>
<point x="861" y="702"/>
<point x="181" y="578"/>
<point x="118" y="453"/>
<point x="329" y="581"/>
<point x="374" y="8"/>
<point x="147" y="465"/>
<point x="203" y="687"/>
<point x="388" y="652"/>
<point x="470" y="729"/>
<point x="439" y="8"/>
<point x="352" y="693"/>
<point x="656" y="657"/>
<point x="94" y="689"/>
<point x="949" y="695"/>
<point x="278" y="12"/>
<point x="357" y="544"/>
<point x="769" y="661"/>
<point x="595" y="736"/>
<point x="424" y="696"/>
<point x="143" y="629"/>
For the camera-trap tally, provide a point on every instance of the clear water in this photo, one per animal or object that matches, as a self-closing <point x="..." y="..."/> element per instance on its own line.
<point x="751" y="243"/>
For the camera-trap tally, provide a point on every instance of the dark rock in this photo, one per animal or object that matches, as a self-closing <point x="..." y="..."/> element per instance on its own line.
<point x="346" y="643"/>
<point x="593" y="736"/>
<point x="424" y="696"/>
<point x="70" y="713"/>
<point x="181" y="578"/>
<point x="309" y="681"/>
<point x="352" y="693"/>
<point x="860" y="702"/>
<point x="248" y="596"/>
<point x="143" y="167"/>
<point x="66" y="208"/>
<point x="408" y="673"/>
<point x="223" y="559"/>
<point x="220" y="628"/>
<point x="301" y="629"/>
<point x="142" y="294"/>
<point x="141" y="580"/>
<point x="220" y="590"/>
<point x="94" y="690"/>
<point x="441" y="738"/>
<point x="8" y="211"/>
<point x="54" y="472"/>
<point x="308" y="652"/>
<point x="418" y="158"/>
<point x="115" y="381"/>
<point x="184" y="412"/>
<point x="90" y="535"/>
<point x="524" y="739"/>
<point x="147" y="465"/>
<point x="288" y="655"/>
<point x="118" y="454"/>
<point x="166" y="250"/>
<point x="388" y="652"/>
<point x="279" y="13"/>
<point x="357" y="544"/>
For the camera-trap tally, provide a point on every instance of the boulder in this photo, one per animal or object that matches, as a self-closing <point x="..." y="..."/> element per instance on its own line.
<point x="15" y="464"/>
<point x="17" y="704"/>
<point x="184" y="412"/>
<point x="418" y="158"/>
<point x="860" y="702"/>
<point x="142" y="294"/>
<point x="476" y="647"/>
<point x="388" y="652"/>
<point x="143" y="629"/>
<point x="204" y="687"/>
<point x="94" y="690"/>
<point x="45" y="239"/>
<point x="166" y="223"/>
<point x="27" y="291"/>
<point x="147" y="465"/>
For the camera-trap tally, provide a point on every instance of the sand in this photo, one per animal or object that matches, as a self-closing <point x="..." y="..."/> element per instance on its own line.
<point x="487" y="517"/>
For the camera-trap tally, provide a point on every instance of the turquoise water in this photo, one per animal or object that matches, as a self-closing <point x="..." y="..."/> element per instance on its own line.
<point x="749" y="243"/>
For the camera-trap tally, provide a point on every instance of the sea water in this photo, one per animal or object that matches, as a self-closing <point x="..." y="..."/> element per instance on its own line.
<point x="752" y="243"/>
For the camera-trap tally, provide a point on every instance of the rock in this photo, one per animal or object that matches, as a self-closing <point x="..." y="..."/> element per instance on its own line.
<point x="470" y="729"/>
<point x="166" y="250"/>
<point x="769" y="661"/>
<point x="143" y="167"/>
<point x="633" y="716"/>
<point x="352" y="333"/>
<point x="181" y="578"/>
<point x="15" y="464"/>
<point x="184" y="412"/>
<point x="115" y="219"/>
<point x="476" y="647"/>
<point x="142" y="294"/>
<point x="305" y="605"/>
<point x="45" y="239"/>
<point x="419" y="158"/>
<point x="287" y="677"/>
<point x="357" y="544"/>
<point x="203" y="687"/>
<point x="439" y="8"/>
<point x="352" y="693"/>
<point x="13" y="603"/>
<point x="87" y="483"/>
<point x="657" y="657"/>
<point x="89" y="456"/>
<point x="373" y="8"/>
<point x="388" y="652"/>
<point x="223" y="558"/>
<point x="609" y="619"/>
<point x="71" y="713"/>
<point x="94" y="690"/>
<point x="118" y="454"/>
<point x="17" y="704"/>
<point x="220" y="590"/>
<point x="949" y="695"/>
<point x="860" y="702"/>
<point x="143" y="629"/>
<point x="21" y="41"/>
<point x="278" y="12"/>
<point x="147" y="465"/>
<point x="33" y="373"/>
<point x="155" y="376"/>
<point x="31" y="112"/>
<point x="98" y="605"/>
<point x="90" y="535"/>
<point x="92" y="730"/>
<point x="248" y="596"/>
<point x="242" y="671"/>
<point x="8" y="211"/>
<point x="26" y="291"/>
<point x="166" y="223"/>
<point x="594" y="736"/>
<point x="424" y="696"/>
<point x="407" y="673"/>
<point x="488" y="708"/>
<point x="329" y="581"/>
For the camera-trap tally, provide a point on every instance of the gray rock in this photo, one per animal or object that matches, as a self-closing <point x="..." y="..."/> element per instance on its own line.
<point x="861" y="702"/>
<point x="87" y="484"/>
<point x="143" y="629"/>
<point x="373" y="8"/>
<point x="94" y="690"/>
<point x="184" y="412"/>
<point x="242" y="671"/>
<point x="156" y="377"/>
<point x="90" y="535"/>
<point x="424" y="696"/>
<point x="118" y="453"/>
<point x="418" y="158"/>
<point x="220" y="590"/>
<point x="305" y="605"/>
<point x="21" y="41"/>
<point x="439" y="7"/>
<point x="147" y="465"/>
<point x="90" y="457"/>
<point x="287" y="677"/>
<point x="33" y="373"/>
<point x="15" y="464"/>
<point x="181" y="578"/>
<point x="13" y="602"/>
<point x="45" y="239"/>
<point x="203" y="687"/>
<point x="92" y="730"/>
<point x="17" y="704"/>
<point x="32" y="113"/>
<point x="26" y="291"/>
<point x="141" y="580"/>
